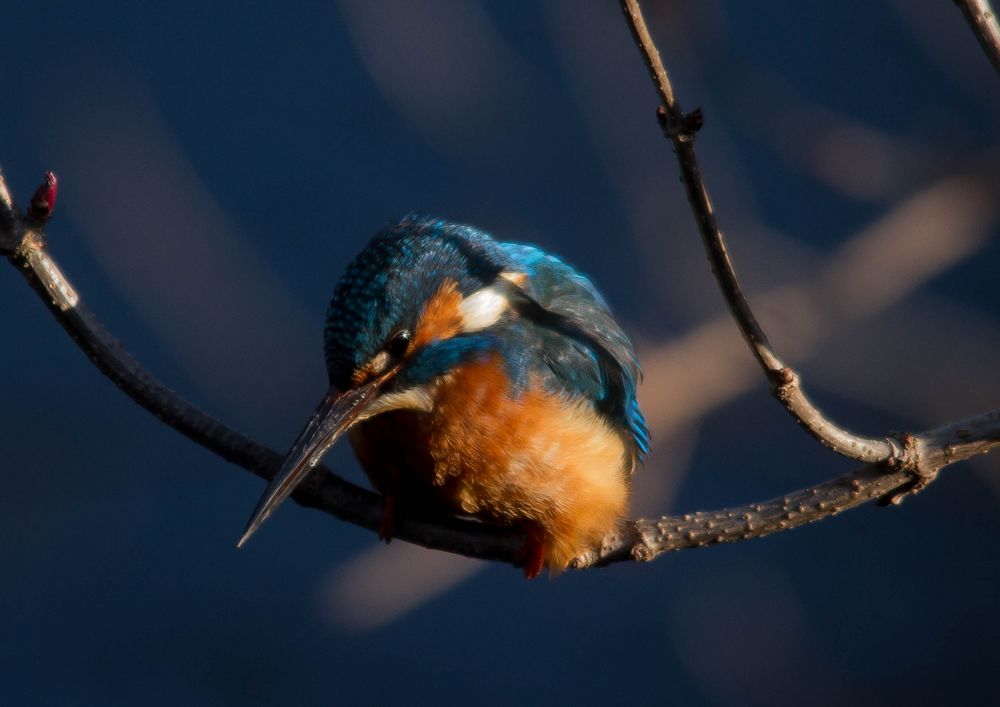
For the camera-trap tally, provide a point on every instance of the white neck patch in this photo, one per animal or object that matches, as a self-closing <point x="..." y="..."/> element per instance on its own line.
<point x="484" y="307"/>
<point x="420" y="398"/>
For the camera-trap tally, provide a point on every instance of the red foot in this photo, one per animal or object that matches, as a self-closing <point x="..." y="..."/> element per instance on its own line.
<point x="534" y="556"/>
<point x="387" y="524"/>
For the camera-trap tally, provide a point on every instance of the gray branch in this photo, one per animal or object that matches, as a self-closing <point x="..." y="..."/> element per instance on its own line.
<point x="680" y="128"/>
<point x="895" y="466"/>
<point x="22" y="241"/>
<point x="983" y="21"/>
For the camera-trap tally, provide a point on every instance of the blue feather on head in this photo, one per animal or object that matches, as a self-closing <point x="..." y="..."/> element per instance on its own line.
<point x="566" y="335"/>
<point x="487" y="377"/>
<point x="388" y="283"/>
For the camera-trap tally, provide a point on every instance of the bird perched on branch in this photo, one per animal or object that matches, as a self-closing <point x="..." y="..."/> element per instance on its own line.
<point x="481" y="378"/>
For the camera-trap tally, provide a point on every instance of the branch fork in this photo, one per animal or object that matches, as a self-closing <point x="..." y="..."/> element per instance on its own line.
<point x="678" y="125"/>
<point x="894" y="466"/>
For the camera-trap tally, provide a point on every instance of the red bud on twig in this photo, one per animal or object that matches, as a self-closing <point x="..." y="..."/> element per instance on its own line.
<point x="44" y="200"/>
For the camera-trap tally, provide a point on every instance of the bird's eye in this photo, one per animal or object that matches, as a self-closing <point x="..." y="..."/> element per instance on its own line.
<point x="398" y="344"/>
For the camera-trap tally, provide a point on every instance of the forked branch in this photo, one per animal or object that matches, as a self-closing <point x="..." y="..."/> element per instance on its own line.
<point x="22" y="241"/>
<point x="896" y="466"/>
<point x="680" y="128"/>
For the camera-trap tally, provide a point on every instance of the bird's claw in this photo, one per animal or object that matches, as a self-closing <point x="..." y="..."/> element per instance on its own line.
<point x="387" y="524"/>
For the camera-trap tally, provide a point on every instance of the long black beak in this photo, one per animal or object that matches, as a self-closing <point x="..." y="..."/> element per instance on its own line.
<point x="336" y="413"/>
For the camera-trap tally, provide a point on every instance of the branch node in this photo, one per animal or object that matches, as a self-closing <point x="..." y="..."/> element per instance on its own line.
<point x="694" y="120"/>
<point x="784" y="382"/>
<point x="679" y="126"/>
<point x="642" y="552"/>
<point x="908" y="459"/>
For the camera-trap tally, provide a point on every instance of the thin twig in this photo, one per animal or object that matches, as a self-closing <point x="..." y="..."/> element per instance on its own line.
<point x="10" y="234"/>
<point x="322" y="490"/>
<point x="644" y="540"/>
<point x="680" y="128"/>
<point x="638" y="540"/>
<point x="983" y="20"/>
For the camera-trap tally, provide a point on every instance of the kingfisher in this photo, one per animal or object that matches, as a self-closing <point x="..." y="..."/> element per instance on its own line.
<point x="477" y="378"/>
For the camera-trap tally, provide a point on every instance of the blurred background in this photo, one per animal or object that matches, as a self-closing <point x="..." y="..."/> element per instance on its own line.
<point x="221" y="163"/>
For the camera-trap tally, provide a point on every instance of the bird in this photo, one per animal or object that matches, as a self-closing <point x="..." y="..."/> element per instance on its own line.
<point x="477" y="378"/>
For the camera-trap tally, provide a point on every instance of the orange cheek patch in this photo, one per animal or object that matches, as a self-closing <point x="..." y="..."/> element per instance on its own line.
<point x="440" y="318"/>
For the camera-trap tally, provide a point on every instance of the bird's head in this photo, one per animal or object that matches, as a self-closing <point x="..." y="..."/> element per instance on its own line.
<point x="422" y="298"/>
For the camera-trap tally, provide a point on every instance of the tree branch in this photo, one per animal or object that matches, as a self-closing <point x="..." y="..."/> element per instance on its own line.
<point x="929" y="452"/>
<point x="896" y="466"/>
<point x="680" y="128"/>
<point x="983" y="20"/>
<point x="639" y="540"/>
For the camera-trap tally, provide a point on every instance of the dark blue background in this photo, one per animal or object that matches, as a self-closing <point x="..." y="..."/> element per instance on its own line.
<point x="220" y="163"/>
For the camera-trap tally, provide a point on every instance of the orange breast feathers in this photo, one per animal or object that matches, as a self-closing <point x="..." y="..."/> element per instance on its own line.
<point x="538" y="459"/>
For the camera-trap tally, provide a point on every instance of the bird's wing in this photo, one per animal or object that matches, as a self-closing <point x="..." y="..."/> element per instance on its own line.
<point x="581" y="344"/>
